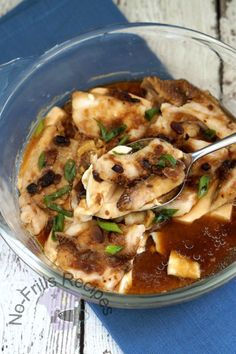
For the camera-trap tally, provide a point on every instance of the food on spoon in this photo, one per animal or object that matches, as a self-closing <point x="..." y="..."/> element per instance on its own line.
<point x="134" y="198"/>
<point x="85" y="183"/>
<point x="124" y="168"/>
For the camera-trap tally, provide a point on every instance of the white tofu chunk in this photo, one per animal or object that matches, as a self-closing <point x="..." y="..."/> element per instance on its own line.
<point x="183" y="267"/>
<point x="224" y="212"/>
<point x="156" y="236"/>
<point x="185" y="202"/>
<point x="120" y="150"/>
<point x="126" y="283"/>
<point x="202" y="207"/>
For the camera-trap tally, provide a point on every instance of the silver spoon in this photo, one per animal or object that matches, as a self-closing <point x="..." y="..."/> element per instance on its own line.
<point x="190" y="159"/>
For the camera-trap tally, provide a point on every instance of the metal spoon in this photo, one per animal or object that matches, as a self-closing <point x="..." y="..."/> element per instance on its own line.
<point x="190" y="159"/>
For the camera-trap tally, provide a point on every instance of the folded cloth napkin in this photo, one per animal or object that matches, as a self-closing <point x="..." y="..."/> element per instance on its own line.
<point x="205" y="325"/>
<point x="37" y="25"/>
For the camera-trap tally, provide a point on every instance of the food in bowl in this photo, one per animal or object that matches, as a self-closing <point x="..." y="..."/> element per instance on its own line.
<point x="85" y="184"/>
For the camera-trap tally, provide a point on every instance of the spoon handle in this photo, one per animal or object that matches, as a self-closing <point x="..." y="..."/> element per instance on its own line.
<point x="231" y="139"/>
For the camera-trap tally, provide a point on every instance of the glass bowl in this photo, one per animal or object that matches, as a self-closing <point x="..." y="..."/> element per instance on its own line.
<point x="30" y="86"/>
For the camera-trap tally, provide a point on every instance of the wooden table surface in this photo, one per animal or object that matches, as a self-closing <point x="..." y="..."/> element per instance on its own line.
<point x="50" y="321"/>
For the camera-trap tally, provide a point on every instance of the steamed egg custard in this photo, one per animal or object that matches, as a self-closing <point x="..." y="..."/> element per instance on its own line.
<point x="86" y="183"/>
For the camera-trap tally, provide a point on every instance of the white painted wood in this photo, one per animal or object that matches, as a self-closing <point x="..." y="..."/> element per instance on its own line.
<point x="97" y="339"/>
<point x="42" y="330"/>
<point x="200" y="15"/>
<point x="7" y="5"/>
<point x="196" y="14"/>
<point x="228" y="35"/>
<point x="228" y="22"/>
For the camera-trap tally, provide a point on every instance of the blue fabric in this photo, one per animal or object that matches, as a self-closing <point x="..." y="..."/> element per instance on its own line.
<point x="37" y="25"/>
<point x="205" y="325"/>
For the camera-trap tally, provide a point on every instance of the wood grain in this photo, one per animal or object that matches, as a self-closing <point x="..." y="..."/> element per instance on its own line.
<point x="196" y="14"/>
<point x="7" y="5"/>
<point x="43" y="329"/>
<point x="40" y="330"/>
<point x="97" y="339"/>
<point x="228" y="35"/>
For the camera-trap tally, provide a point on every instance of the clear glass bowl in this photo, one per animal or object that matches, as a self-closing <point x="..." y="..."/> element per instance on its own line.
<point x="29" y="87"/>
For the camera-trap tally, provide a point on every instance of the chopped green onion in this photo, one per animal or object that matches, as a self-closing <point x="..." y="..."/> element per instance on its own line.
<point x="59" y="193"/>
<point x="103" y="130"/>
<point x="115" y="132"/>
<point x="170" y="159"/>
<point x="124" y="140"/>
<point x="58" y="225"/>
<point x="39" y="128"/>
<point x="161" y="163"/>
<point x="209" y="134"/>
<point x="109" y="226"/>
<point x="137" y="145"/>
<point x="150" y="113"/>
<point x="164" y="215"/>
<point x="109" y="135"/>
<point x="41" y="160"/>
<point x="113" y="249"/>
<point x="59" y="209"/>
<point x="166" y="160"/>
<point x="203" y="186"/>
<point x="70" y="170"/>
<point x="119" y="153"/>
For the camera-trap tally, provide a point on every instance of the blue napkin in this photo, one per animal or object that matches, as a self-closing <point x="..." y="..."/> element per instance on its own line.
<point x="205" y="325"/>
<point x="34" y="26"/>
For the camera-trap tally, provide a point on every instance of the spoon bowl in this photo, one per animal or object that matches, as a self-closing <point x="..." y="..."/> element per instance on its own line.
<point x="189" y="160"/>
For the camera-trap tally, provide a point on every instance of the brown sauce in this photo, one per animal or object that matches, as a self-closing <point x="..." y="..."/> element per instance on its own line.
<point x="209" y="241"/>
<point x="43" y="236"/>
<point x="130" y="86"/>
<point x="29" y="147"/>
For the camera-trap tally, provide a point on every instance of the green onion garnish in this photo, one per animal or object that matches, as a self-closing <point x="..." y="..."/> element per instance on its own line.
<point x="137" y="145"/>
<point x="113" y="249"/>
<point x="41" y="160"/>
<point x="203" y="186"/>
<point x="58" y="225"/>
<point x="166" y="160"/>
<point x="39" y="128"/>
<point x="109" y="226"/>
<point x="150" y="113"/>
<point x="209" y="134"/>
<point x="164" y="215"/>
<point x="59" y="209"/>
<point x="109" y="135"/>
<point x="124" y="140"/>
<point x="119" y="153"/>
<point x="70" y="170"/>
<point x="161" y="163"/>
<point x="59" y="193"/>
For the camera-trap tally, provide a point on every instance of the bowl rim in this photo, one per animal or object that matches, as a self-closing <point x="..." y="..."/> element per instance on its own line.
<point x="115" y="299"/>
